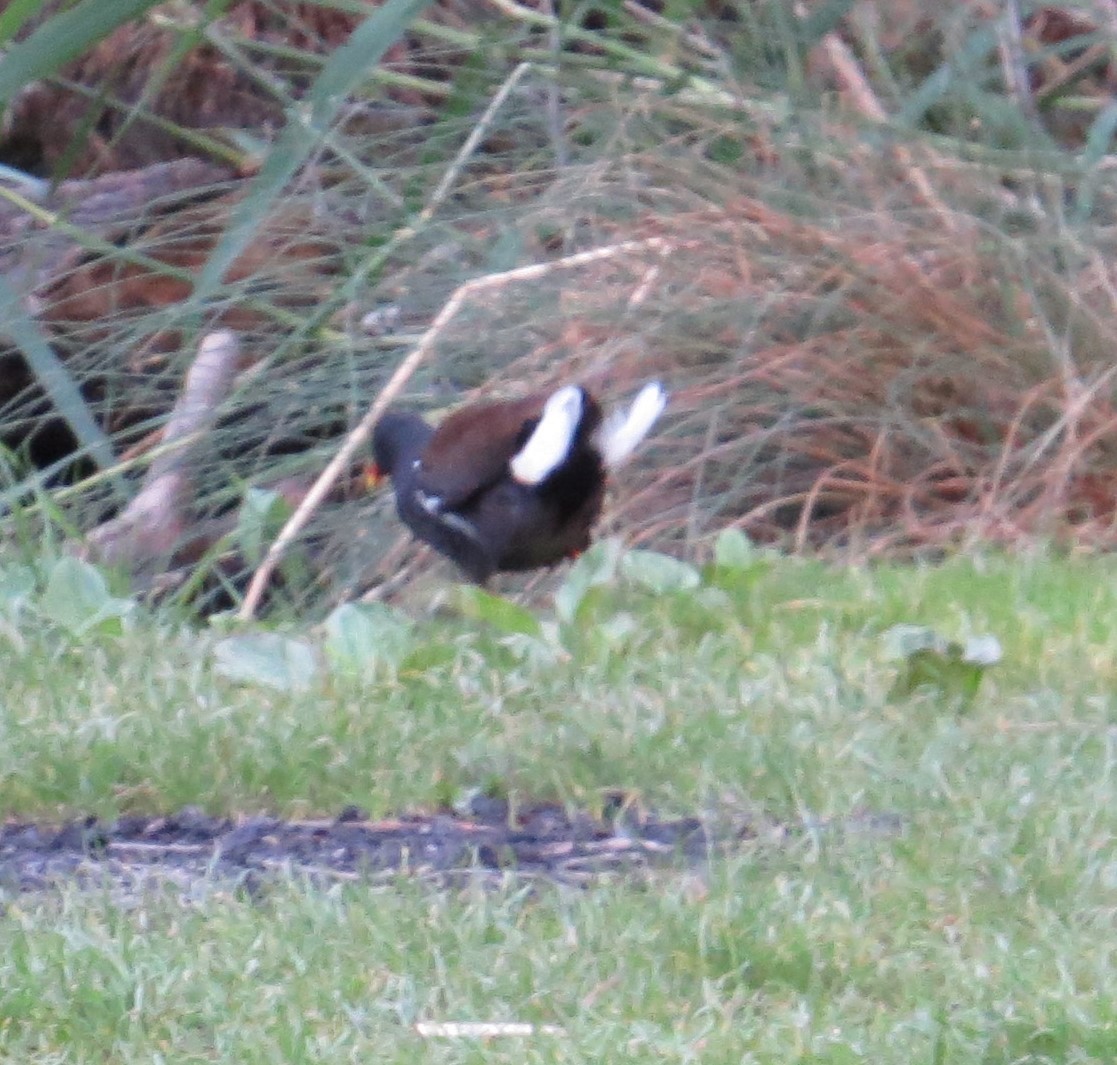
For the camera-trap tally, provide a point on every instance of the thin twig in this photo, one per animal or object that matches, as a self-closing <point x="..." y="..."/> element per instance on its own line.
<point x="636" y="61"/>
<point x="482" y="1029"/>
<point x="471" y="142"/>
<point x="401" y="573"/>
<point x="696" y="41"/>
<point x="857" y="86"/>
<point x="115" y="846"/>
<point x="650" y="275"/>
<point x="363" y="429"/>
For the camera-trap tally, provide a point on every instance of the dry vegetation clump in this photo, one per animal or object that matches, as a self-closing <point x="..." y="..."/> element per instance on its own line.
<point x="877" y="340"/>
<point x="175" y="83"/>
<point x="900" y="386"/>
<point x="871" y="381"/>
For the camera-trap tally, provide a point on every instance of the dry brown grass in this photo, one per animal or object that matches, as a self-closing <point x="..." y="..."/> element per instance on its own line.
<point x="873" y="382"/>
<point x="876" y="343"/>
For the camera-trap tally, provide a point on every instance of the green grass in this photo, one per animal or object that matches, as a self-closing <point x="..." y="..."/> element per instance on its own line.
<point x="980" y="933"/>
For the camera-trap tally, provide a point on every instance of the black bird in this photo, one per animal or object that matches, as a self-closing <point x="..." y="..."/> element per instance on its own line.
<point x="510" y="485"/>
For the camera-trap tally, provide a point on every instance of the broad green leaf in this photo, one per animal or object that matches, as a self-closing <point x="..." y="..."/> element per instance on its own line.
<point x="17" y="586"/>
<point x="495" y="610"/>
<point x="77" y="598"/>
<point x="359" y="636"/>
<point x="261" y="516"/>
<point x="428" y="655"/>
<point x="659" y="572"/>
<point x="268" y="659"/>
<point x="738" y="563"/>
<point x="618" y="630"/>
<point x="597" y="566"/>
<point x="537" y="652"/>
<point x="734" y="550"/>
<point x="713" y="600"/>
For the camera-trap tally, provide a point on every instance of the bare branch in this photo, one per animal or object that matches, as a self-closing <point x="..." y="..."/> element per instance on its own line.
<point x="152" y="525"/>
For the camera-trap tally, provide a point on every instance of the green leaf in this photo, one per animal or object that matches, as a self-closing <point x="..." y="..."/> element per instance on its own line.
<point x="734" y="550"/>
<point x="361" y="636"/>
<point x="268" y="659"/>
<point x="429" y="655"/>
<point x="931" y="662"/>
<point x="495" y="610"/>
<point x="738" y="563"/>
<point x="618" y="630"/>
<point x="597" y="566"/>
<point x="262" y="514"/>
<point x="659" y="572"/>
<point x="77" y="599"/>
<point x="538" y="652"/>
<point x="17" y="587"/>
<point x="714" y="601"/>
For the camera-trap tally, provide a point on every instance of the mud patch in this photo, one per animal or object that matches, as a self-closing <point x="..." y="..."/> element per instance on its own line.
<point x="543" y="840"/>
<point x="194" y="851"/>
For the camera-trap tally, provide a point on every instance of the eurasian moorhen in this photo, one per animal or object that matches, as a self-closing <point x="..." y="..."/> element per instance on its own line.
<point x="510" y="485"/>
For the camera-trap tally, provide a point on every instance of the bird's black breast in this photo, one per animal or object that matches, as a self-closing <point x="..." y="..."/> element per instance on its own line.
<point x="448" y="532"/>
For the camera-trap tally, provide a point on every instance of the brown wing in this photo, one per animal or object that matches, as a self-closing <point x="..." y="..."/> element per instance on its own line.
<point x="471" y="449"/>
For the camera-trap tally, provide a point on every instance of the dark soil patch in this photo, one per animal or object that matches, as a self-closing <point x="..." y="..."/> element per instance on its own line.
<point x="190" y="849"/>
<point x="543" y="840"/>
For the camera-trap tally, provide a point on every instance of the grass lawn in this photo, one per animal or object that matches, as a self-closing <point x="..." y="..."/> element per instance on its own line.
<point x="982" y="931"/>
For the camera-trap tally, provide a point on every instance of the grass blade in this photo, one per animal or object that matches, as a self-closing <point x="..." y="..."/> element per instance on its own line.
<point x="1098" y="142"/>
<point x="961" y="66"/>
<point x="61" y="38"/>
<point x="306" y="126"/>
<point x="51" y="374"/>
<point x="15" y="15"/>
